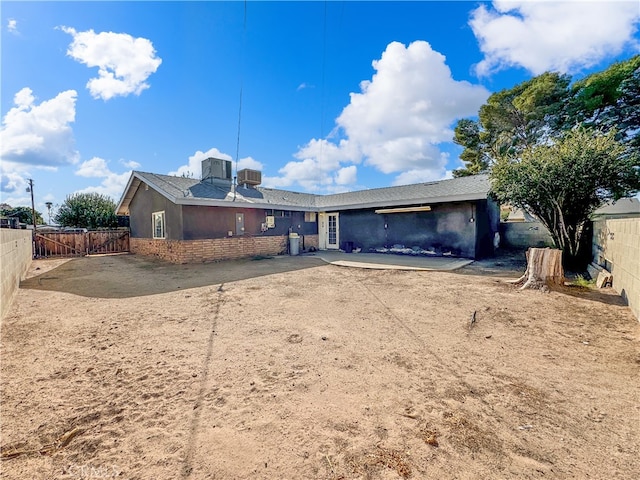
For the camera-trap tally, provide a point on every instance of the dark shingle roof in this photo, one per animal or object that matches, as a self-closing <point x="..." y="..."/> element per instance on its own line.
<point x="456" y="189"/>
<point x="189" y="191"/>
<point x="623" y="207"/>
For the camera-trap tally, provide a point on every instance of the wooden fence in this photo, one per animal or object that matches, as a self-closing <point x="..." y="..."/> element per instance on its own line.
<point x="68" y="244"/>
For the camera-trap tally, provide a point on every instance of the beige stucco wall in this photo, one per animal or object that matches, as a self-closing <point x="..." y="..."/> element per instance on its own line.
<point x="15" y="257"/>
<point x="616" y="246"/>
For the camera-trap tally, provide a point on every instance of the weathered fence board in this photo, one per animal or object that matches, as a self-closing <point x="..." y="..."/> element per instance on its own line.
<point x="71" y="244"/>
<point x="108" y="242"/>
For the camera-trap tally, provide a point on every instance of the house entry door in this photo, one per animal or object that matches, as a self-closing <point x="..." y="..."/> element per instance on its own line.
<point x="239" y="223"/>
<point x="333" y="231"/>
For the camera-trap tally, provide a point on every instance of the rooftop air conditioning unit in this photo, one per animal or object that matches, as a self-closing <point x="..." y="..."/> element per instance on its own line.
<point x="215" y="168"/>
<point x="249" y="177"/>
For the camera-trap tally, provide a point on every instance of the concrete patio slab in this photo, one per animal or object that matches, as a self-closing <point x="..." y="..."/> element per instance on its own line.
<point x="382" y="261"/>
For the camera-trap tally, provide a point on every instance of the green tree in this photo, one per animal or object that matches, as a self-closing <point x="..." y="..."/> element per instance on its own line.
<point x="545" y="107"/>
<point x="511" y="120"/>
<point x="23" y="213"/>
<point x="467" y="135"/>
<point x="87" y="210"/>
<point x="628" y="108"/>
<point x="607" y="99"/>
<point x="563" y="182"/>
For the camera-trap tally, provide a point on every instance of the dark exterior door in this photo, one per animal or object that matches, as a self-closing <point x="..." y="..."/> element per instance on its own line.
<point x="239" y="223"/>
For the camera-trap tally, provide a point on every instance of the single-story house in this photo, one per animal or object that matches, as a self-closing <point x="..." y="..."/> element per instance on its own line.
<point x="187" y="220"/>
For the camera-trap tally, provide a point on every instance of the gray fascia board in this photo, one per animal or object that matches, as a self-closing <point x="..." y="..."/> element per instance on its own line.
<point x="399" y="203"/>
<point x="124" y="193"/>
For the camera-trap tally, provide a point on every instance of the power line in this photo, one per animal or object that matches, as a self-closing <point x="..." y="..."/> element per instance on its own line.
<point x="244" y="36"/>
<point x="324" y="64"/>
<point x="322" y="86"/>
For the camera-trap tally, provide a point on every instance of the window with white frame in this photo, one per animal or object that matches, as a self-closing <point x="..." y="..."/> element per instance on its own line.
<point x="158" y="224"/>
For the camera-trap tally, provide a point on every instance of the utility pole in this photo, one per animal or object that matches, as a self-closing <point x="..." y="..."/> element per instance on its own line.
<point x="33" y="205"/>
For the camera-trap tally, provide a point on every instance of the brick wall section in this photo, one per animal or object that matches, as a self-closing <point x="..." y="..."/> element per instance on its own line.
<point x="16" y="252"/>
<point x="209" y="250"/>
<point x="616" y="246"/>
<point x="310" y="241"/>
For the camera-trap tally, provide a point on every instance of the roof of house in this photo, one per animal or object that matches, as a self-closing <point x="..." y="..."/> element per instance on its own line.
<point x="622" y="207"/>
<point x="189" y="191"/>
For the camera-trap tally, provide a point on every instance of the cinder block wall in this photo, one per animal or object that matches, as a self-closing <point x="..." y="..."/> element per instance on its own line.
<point x="16" y="253"/>
<point x="209" y="250"/>
<point x="616" y="247"/>
<point x="524" y="235"/>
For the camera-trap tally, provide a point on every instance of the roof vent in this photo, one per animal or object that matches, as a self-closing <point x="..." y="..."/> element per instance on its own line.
<point x="216" y="170"/>
<point x="249" y="177"/>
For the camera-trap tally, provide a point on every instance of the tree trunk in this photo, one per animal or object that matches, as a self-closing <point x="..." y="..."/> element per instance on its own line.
<point x="544" y="268"/>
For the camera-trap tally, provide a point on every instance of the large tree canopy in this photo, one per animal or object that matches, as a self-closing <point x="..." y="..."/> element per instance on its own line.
<point x="87" y="210"/>
<point x="606" y="100"/>
<point x="564" y="182"/>
<point x="545" y="107"/>
<point x="510" y="121"/>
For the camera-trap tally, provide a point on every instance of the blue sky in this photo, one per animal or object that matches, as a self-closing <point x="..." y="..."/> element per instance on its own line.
<point x="336" y="96"/>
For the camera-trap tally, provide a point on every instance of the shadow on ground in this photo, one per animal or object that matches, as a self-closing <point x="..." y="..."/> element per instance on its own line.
<point x="505" y="263"/>
<point x="606" y="295"/>
<point x="124" y="276"/>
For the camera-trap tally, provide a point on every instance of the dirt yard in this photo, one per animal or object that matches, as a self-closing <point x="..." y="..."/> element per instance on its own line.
<point x="119" y="367"/>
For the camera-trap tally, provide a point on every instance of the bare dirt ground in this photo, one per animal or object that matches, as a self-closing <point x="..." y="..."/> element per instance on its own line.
<point x="288" y="368"/>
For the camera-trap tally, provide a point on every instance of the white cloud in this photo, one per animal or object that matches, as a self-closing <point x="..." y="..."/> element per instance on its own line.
<point x="130" y="164"/>
<point x="12" y="181"/>
<point x="407" y="109"/>
<point x="36" y="135"/>
<point x="12" y="26"/>
<point x="318" y="162"/>
<point x="417" y="175"/>
<point x="250" y="163"/>
<point x="303" y="86"/>
<point x="346" y="175"/>
<point x="561" y="36"/>
<point x="308" y="173"/>
<point x="394" y="124"/>
<point x="96" y="167"/>
<point x="124" y="62"/>
<point x="113" y="184"/>
<point x="194" y="166"/>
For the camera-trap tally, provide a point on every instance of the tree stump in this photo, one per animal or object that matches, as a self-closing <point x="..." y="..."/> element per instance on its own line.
<point x="544" y="269"/>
